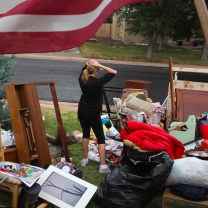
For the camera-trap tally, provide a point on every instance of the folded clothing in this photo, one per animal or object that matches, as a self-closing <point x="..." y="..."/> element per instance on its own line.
<point x="190" y="192"/>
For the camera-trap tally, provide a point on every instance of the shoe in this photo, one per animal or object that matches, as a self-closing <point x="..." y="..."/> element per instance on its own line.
<point x="84" y="163"/>
<point x="104" y="170"/>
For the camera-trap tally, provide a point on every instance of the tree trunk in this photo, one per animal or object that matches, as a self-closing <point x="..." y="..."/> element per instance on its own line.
<point x="151" y="44"/>
<point x="153" y="38"/>
<point x="161" y="45"/>
<point x="204" y="51"/>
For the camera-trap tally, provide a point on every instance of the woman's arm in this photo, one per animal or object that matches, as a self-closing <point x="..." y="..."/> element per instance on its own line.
<point x="107" y="69"/>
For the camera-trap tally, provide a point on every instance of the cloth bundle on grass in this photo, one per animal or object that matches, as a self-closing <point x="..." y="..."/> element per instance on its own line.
<point x="144" y="137"/>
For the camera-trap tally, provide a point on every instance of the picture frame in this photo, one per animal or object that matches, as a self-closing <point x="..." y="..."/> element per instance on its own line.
<point x="65" y="190"/>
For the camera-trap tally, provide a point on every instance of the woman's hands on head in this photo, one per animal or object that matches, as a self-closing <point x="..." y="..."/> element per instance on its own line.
<point x="92" y="62"/>
<point x="96" y="64"/>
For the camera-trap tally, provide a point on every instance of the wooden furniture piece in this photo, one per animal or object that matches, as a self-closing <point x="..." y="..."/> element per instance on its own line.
<point x="14" y="187"/>
<point x="27" y="124"/>
<point x="29" y="128"/>
<point x="180" y="69"/>
<point x="139" y="84"/>
<point x="10" y="155"/>
<point x="190" y="102"/>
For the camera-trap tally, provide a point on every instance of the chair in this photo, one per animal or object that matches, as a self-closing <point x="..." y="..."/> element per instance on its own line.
<point x="128" y="91"/>
<point x="11" y="182"/>
<point x="185" y="136"/>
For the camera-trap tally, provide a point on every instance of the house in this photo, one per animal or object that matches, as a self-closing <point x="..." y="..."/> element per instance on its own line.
<point x="118" y="33"/>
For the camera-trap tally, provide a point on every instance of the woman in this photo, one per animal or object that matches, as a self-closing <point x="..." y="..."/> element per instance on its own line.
<point x="90" y="107"/>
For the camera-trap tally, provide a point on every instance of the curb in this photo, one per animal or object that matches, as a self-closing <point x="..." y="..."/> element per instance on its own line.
<point x="63" y="58"/>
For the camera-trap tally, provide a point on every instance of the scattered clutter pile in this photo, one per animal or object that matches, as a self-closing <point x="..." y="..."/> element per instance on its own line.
<point x="147" y="156"/>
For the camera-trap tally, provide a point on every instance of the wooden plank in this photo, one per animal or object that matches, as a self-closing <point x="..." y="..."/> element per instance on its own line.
<point x="37" y="83"/>
<point x="60" y="123"/>
<point x="43" y="205"/>
<point x="203" y="15"/>
<point x="17" y="123"/>
<point x="193" y="70"/>
<point x="15" y="196"/>
<point x="171" y="88"/>
<point x="37" y="126"/>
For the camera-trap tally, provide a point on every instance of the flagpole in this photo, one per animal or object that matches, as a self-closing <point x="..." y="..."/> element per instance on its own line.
<point x="203" y="15"/>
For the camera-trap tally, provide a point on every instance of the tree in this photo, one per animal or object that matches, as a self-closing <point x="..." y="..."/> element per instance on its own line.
<point x="6" y="63"/>
<point x="147" y="19"/>
<point x="158" y="18"/>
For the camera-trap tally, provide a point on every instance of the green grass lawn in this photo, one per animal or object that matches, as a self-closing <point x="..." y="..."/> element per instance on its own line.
<point x="90" y="172"/>
<point x="138" y="53"/>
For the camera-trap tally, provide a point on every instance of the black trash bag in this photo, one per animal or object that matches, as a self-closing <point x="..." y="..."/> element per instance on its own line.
<point x="135" y="184"/>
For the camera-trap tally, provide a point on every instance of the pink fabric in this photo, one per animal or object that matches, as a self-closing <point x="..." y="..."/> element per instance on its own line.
<point x="151" y="138"/>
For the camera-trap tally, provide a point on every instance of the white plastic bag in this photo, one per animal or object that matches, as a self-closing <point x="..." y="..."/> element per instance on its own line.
<point x="189" y="170"/>
<point x="94" y="157"/>
<point x="7" y="138"/>
<point x="137" y="116"/>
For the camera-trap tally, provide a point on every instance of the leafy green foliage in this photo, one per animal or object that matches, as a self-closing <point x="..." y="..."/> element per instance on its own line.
<point x="177" y="18"/>
<point x="6" y="63"/>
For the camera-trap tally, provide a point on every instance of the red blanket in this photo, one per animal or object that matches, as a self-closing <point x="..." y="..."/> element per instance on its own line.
<point x="151" y="138"/>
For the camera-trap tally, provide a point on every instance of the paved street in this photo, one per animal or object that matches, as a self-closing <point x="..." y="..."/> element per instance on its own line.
<point x="66" y="74"/>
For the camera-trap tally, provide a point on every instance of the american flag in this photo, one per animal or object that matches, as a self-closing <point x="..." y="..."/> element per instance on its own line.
<point x="32" y="26"/>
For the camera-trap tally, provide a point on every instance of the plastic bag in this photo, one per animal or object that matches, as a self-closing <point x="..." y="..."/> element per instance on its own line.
<point x="93" y="156"/>
<point x="132" y="185"/>
<point x="189" y="170"/>
<point x="137" y="116"/>
<point x="7" y="138"/>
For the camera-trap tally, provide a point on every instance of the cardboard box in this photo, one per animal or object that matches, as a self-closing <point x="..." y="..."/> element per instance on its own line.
<point x="172" y="201"/>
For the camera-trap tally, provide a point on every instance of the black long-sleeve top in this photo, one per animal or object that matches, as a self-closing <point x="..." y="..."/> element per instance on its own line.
<point x="90" y="104"/>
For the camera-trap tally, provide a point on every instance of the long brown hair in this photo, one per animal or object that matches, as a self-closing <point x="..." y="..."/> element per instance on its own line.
<point x="87" y="72"/>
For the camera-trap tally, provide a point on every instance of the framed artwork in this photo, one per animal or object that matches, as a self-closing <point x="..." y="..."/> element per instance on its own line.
<point x="65" y="190"/>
